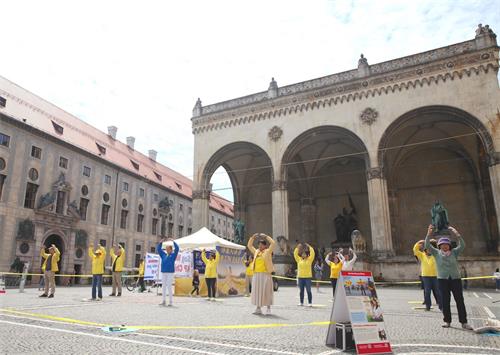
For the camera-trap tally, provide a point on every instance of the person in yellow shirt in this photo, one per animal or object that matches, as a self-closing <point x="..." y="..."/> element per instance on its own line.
<point x="335" y="268"/>
<point x="428" y="271"/>
<point x="304" y="270"/>
<point x="248" y="263"/>
<point x="117" y="260"/>
<point x="98" y="260"/>
<point x="211" y="272"/>
<point x="262" y="281"/>
<point x="141" y="276"/>
<point x="50" y="267"/>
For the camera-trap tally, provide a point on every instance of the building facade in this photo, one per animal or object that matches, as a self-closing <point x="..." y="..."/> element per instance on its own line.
<point x="66" y="183"/>
<point x="372" y="148"/>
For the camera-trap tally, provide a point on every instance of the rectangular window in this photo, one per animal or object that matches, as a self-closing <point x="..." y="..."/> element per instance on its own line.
<point x="122" y="244"/>
<point x="4" y="140"/>
<point x="138" y="247"/>
<point x="156" y="197"/>
<point x="170" y="229"/>
<point x="125" y="186"/>
<point x="3" y="101"/>
<point x="152" y="249"/>
<point x="190" y="231"/>
<point x="104" y="214"/>
<point x="141" y="192"/>
<point x="102" y="242"/>
<point x="84" y="203"/>
<point x="163" y="226"/>
<point x="107" y="179"/>
<point x="30" y="197"/>
<point x="60" y="202"/>
<point x="2" y="182"/>
<point x="36" y="152"/>
<point x="86" y="171"/>
<point x="154" y="226"/>
<point x="63" y="162"/>
<point x="218" y="221"/>
<point x="180" y="231"/>
<point x="137" y="260"/>
<point x="140" y="220"/>
<point x="123" y="219"/>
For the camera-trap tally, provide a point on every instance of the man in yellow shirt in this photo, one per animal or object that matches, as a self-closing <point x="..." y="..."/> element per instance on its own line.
<point x="117" y="260"/>
<point x="304" y="271"/>
<point x="211" y="272"/>
<point x="248" y="263"/>
<point x="50" y="267"/>
<point x="98" y="260"/>
<point x="428" y="272"/>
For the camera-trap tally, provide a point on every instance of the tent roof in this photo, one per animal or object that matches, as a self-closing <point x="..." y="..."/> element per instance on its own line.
<point x="205" y="239"/>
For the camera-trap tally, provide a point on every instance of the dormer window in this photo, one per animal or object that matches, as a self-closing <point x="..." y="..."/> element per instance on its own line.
<point x="179" y="186"/>
<point x="101" y="149"/>
<point x="58" y="128"/>
<point x="135" y="164"/>
<point x="158" y="176"/>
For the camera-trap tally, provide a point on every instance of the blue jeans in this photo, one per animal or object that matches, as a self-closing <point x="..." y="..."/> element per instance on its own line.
<point x="305" y="283"/>
<point x="96" y="285"/>
<point x="431" y="284"/>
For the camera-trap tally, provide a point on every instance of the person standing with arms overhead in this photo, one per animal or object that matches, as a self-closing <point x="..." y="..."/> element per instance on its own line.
<point x="117" y="260"/>
<point x="248" y="263"/>
<point x="167" y="268"/>
<point x="98" y="260"/>
<point x="50" y="267"/>
<point x="347" y="261"/>
<point x="211" y="272"/>
<point x="335" y="268"/>
<point x="262" y="281"/>
<point x="448" y="274"/>
<point x="141" y="276"/>
<point x="318" y="273"/>
<point x="428" y="272"/>
<point x="304" y="274"/>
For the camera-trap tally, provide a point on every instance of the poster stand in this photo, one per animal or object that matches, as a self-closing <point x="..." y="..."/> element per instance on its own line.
<point x="356" y="305"/>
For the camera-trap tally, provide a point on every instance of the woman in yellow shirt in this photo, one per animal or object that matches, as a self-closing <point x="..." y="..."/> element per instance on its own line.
<point x="248" y="263"/>
<point x="335" y="268"/>
<point x="98" y="258"/>
<point x="304" y="271"/>
<point x="210" y="272"/>
<point x="428" y="272"/>
<point x="262" y="281"/>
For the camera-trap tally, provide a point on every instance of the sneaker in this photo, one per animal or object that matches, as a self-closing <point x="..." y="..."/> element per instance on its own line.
<point x="169" y="305"/>
<point x="162" y="304"/>
<point x="43" y="295"/>
<point x="466" y="326"/>
<point x="300" y="304"/>
<point x="257" y="311"/>
<point x="268" y="310"/>
<point x="50" y="296"/>
<point x="111" y="295"/>
<point x="99" y="299"/>
<point x="310" y="305"/>
<point x="446" y="325"/>
<point x="119" y="294"/>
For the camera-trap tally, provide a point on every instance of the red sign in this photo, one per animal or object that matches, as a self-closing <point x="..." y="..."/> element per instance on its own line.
<point x="375" y="348"/>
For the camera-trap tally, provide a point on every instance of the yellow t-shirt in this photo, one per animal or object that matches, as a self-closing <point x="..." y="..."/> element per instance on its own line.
<point x="210" y="265"/>
<point x="427" y="262"/>
<point x="249" y="269"/>
<point x="259" y="264"/>
<point x="335" y="269"/>
<point x="304" y="266"/>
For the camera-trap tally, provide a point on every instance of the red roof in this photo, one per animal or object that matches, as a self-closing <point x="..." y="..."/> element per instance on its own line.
<point x="37" y="112"/>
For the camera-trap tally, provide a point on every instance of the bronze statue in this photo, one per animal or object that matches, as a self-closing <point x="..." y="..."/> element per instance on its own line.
<point x="239" y="231"/>
<point x="346" y="222"/>
<point x="439" y="216"/>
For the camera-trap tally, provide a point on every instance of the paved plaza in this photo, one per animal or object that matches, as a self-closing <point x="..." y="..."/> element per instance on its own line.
<point x="69" y="323"/>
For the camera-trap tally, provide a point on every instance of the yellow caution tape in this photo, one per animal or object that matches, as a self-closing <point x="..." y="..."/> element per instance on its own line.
<point x="61" y="275"/>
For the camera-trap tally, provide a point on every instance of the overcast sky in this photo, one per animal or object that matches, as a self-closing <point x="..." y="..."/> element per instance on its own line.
<point x="141" y="65"/>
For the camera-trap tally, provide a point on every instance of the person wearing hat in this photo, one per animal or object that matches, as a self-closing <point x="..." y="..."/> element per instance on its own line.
<point x="448" y="274"/>
<point x="117" y="260"/>
<point x="168" y="254"/>
<point x="211" y="272"/>
<point x="262" y="281"/>
<point x="428" y="272"/>
<point x="50" y="268"/>
<point x="98" y="259"/>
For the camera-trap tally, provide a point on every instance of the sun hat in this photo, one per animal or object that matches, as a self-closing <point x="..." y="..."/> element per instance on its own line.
<point x="444" y="240"/>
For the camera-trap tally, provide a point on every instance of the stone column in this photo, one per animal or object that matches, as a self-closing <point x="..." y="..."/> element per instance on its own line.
<point x="280" y="209"/>
<point x="494" y="169"/>
<point x="201" y="207"/>
<point x="308" y="217"/>
<point x="379" y="213"/>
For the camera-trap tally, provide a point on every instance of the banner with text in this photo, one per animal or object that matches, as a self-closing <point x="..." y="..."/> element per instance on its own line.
<point x="152" y="267"/>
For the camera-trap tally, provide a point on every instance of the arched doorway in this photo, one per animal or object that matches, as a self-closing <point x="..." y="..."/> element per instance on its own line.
<point x="439" y="153"/>
<point x="250" y="173"/>
<point x="325" y="170"/>
<point x="58" y="242"/>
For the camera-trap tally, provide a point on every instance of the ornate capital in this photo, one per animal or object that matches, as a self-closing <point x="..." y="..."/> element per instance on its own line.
<point x="201" y="194"/>
<point x="279" y="185"/>
<point x="275" y="133"/>
<point x="375" y="173"/>
<point x="368" y="116"/>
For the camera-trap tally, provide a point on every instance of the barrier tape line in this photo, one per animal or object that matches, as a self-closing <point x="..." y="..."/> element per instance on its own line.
<point x="275" y="276"/>
<point x="167" y="327"/>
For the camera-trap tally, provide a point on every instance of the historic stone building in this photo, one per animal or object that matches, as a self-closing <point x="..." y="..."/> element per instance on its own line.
<point x="373" y="147"/>
<point x="65" y="182"/>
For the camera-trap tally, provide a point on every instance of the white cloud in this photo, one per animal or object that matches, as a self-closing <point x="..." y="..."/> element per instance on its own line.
<point x="141" y="65"/>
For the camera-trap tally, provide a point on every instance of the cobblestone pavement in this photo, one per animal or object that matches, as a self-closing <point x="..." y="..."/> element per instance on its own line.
<point x="69" y="323"/>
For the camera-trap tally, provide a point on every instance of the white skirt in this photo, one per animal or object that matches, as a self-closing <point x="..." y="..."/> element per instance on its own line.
<point x="262" y="289"/>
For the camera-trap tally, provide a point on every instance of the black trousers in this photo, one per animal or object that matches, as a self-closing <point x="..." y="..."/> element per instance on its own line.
<point x="211" y="286"/>
<point x="334" y="285"/>
<point x="196" y="289"/>
<point x="141" y="283"/>
<point x="452" y="286"/>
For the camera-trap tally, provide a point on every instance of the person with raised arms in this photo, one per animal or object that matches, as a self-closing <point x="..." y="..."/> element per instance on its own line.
<point x="98" y="260"/>
<point x="335" y="268"/>
<point x="50" y="267"/>
<point x="262" y="281"/>
<point x="347" y="261"/>
<point x="211" y="272"/>
<point x="167" y="257"/>
<point x="428" y="272"/>
<point x="117" y="260"/>
<point x="304" y="267"/>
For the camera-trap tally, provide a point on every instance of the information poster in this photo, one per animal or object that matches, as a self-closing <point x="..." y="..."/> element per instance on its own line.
<point x="184" y="264"/>
<point x="230" y="272"/>
<point x="356" y="301"/>
<point x="152" y="267"/>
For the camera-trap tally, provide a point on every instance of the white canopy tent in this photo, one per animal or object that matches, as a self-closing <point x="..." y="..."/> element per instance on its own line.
<point x="204" y="239"/>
